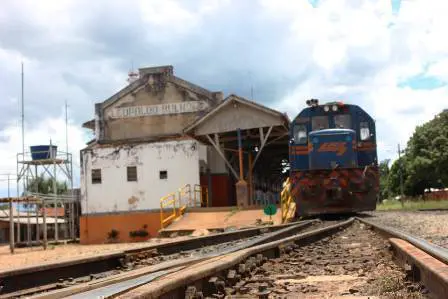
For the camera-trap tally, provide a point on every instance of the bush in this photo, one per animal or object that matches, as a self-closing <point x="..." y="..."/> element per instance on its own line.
<point x="113" y="234"/>
<point x="138" y="233"/>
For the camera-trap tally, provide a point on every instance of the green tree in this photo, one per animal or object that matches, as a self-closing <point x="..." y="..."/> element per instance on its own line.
<point x="393" y="180"/>
<point x="425" y="162"/>
<point x="427" y="154"/>
<point x="44" y="185"/>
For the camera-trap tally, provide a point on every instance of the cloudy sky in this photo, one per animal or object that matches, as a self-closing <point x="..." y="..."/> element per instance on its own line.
<point x="390" y="57"/>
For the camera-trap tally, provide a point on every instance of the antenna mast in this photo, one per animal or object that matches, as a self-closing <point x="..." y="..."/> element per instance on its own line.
<point x="23" y="117"/>
<point x="66" y="128"/>
<point x="132" y="75"/>
<point x="251" y="86"/>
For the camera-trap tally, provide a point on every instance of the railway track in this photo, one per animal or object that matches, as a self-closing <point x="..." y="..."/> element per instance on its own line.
<point x="312" y="259"/>
<point x="136" y="265"/>
<point x="351" y="258"/>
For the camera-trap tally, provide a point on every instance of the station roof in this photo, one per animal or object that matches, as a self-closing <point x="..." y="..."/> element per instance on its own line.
<point x="237" y="112"/>
<point x="256" y="122"/>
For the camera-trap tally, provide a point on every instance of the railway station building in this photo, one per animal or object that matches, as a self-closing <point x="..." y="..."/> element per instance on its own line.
<point x="161" y="133"/>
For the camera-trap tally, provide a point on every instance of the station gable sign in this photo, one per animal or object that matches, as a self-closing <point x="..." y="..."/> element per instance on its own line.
<point x="160" y="109"/>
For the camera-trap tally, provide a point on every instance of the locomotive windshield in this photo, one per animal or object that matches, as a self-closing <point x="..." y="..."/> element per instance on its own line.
<point x="364" y="130"/>
<point x="319" y="123"/>
<point x="300" y="135"/>
<point x="343" y="121"/>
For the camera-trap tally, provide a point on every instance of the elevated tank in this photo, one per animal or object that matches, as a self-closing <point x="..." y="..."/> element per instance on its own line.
<point x="42" y="152"/>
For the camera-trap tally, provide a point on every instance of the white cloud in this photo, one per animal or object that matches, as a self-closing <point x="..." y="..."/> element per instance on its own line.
<point x="353" y="42"/>
<point x="355" y="51"/>
<point x="173" y="18"/>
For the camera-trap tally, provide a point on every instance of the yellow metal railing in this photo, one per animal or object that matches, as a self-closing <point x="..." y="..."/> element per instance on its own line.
<point x="168" y="201"/>
<point x="173" y="207"/>
<point x="287" y="203"/>
<point x="200" y="196"/>
<point x="184" y="197"/>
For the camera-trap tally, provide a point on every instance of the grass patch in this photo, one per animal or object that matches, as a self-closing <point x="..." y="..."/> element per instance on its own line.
<point x="394" y="205"/>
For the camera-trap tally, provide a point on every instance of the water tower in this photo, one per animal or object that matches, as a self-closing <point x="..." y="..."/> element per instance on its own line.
<point x="46" y="160"/>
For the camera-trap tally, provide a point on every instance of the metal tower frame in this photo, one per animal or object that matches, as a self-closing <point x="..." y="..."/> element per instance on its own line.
<point x="28" y="168"/>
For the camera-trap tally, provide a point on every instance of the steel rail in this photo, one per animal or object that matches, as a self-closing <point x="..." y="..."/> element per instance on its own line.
<point x="432" y="249"/>
<point x="122" y="286"/>
<point x="425" y="261"/>
<point x="173" y="285"/>
<point x="176" y="247"/>
<point x="422" y="260"/>
<point x="49" y="273"/>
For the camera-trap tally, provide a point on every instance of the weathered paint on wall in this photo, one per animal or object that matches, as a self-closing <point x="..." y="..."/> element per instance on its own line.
<point x="157" y="92"/>
<point x="215" y="162"/>
<point x="179" y="158"/>
<point x="158" y="109"/>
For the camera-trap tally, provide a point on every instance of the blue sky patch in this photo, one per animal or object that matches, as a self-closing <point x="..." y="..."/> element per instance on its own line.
<point x="422" y="81"/>
<point x="396" y="6"/>
<point x="314" y="3"/>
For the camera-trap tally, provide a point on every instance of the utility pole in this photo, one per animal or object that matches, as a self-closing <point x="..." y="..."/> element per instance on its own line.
<point x="11" y="221"/>
<point x="23" y="116"/>
<point x="400" y="163"/>
<point x="251" y="86"/>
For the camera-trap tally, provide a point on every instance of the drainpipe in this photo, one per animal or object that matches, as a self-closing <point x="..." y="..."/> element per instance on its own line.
<point x="209" y="187"/>
<point x="240" y="152"/>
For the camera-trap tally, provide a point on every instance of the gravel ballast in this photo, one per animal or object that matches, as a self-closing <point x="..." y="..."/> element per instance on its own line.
<point x="429" y="225"/>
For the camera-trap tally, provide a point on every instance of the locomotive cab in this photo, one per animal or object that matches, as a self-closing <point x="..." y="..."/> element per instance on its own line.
<point x="333" y="159"/>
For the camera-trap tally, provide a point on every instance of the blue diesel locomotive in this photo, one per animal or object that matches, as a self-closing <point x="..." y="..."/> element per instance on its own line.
<point x="333" y="159"/>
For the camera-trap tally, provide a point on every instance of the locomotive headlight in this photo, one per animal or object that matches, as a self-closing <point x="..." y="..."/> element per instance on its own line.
<point x="326" y="108"/>
<point x="334" y="108"/>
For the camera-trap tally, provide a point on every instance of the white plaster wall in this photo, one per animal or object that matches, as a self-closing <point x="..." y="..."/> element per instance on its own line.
<point x="115" y="193"/>
<point x="216" y="162"/>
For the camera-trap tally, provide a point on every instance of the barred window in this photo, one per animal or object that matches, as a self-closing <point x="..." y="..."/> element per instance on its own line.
<point x="163" y="174"/>
<point x="96" y="176"/>
<point x="132" y="173"/>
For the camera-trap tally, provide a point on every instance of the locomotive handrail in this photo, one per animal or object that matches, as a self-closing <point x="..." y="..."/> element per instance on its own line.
<point x="287" y="202"/>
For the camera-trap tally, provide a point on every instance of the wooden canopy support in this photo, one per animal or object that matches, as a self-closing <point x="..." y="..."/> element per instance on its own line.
<point x="263" y="140"/>
<point x="218" y="149"/>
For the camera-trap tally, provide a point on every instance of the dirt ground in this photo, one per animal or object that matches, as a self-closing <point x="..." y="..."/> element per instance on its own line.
<point x="25" y="257"/>
<point x="430" y="225"/>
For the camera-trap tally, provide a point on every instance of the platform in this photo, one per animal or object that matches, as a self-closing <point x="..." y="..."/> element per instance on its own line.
<point x="219" y="219"/>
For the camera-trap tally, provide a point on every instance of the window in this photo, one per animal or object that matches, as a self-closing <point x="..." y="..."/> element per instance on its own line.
<point x="132" y="173"/>
<point x="163" y="174"/>
<point x="364" y="130"/>
<point x="342" y="121"/>
<point x="319" y="123"/>
<point x="300" y="135"/>
<point x="96" y="176"/>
